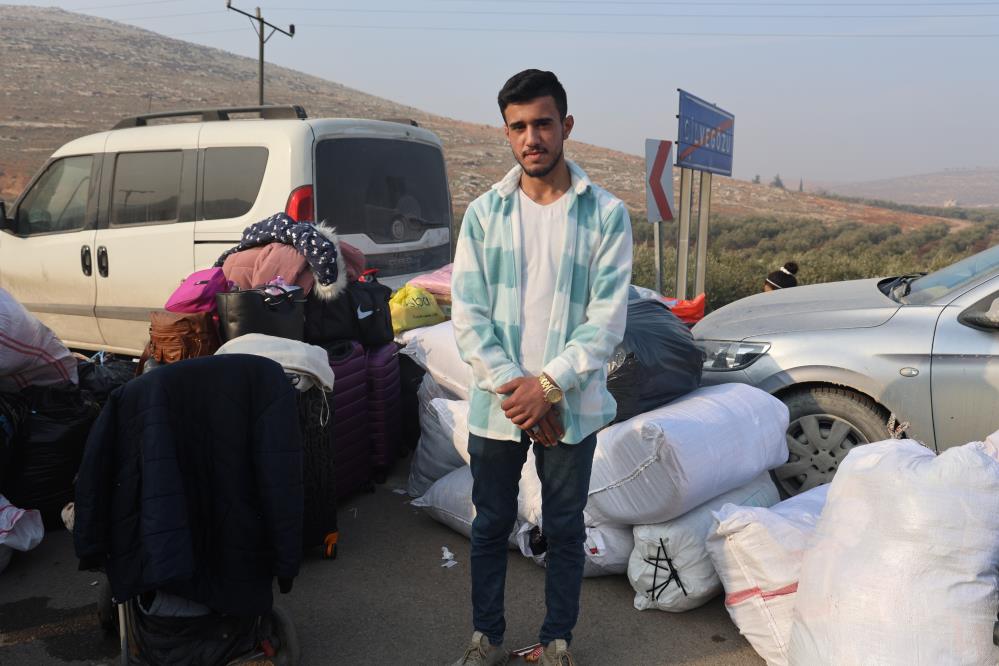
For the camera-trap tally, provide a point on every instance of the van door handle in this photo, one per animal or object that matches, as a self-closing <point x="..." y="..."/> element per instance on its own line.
<point x="86" y="262"/>
<point x="102" y="261"/>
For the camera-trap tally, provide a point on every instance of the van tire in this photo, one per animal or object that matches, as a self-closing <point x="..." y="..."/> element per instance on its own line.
<point x="825" y="423"/>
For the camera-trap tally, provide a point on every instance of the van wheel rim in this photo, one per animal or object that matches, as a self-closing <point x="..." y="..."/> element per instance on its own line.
<point x="817" y="443"/>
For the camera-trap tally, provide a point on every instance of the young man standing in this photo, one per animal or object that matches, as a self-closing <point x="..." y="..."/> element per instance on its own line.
<point x="539" y="289"/>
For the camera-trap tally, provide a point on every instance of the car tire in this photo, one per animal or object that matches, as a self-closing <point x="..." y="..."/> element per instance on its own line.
<point x="825" y="423"/>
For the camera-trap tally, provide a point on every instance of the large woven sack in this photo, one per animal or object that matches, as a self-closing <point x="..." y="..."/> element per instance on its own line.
<point x="670" y="568"/>
<point x="904" y="566"/>
<point x="757" y="554"/>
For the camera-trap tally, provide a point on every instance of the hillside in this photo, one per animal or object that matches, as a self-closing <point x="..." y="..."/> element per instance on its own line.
<point x="64" y="75"/>
<point x="968" y="188"/>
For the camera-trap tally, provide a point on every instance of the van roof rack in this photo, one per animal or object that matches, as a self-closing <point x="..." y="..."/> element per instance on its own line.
<point x="402" y="121"/>
<point x="267" y="112"/>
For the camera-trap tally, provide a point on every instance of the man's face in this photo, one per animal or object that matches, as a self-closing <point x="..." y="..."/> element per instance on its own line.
<point x="536" y="133"/>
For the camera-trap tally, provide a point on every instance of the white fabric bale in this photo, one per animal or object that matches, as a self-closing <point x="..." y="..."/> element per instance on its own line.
<point x="904" y="566"/>
<point x="30" y="354"/>
<point x="449" y="501"/>
<point x="757" y="555"/>
<point x="661" y="464"/>
<point x="606" y="548"/>
<point x="669" y="568"/>
<point x="435" y="350"/>
<point x="435" y="454"/>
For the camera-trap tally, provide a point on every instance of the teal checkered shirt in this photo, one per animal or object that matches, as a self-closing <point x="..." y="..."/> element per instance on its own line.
<point x="588" y="312"/>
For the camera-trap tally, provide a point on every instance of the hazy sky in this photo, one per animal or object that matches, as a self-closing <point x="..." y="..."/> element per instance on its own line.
<point x="825" y="91"/>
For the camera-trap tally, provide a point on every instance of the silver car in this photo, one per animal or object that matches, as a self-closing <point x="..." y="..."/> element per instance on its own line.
<point x="847" y="356"/>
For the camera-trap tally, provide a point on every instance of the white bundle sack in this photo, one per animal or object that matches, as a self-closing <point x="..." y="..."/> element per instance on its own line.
<point x="669" y="567"/>
<point x="30" y="353"/>
<point x="454" y="414"/>
<point x="660" y="465"/>
<point x="20" y="529"/>
<point x="904" y="566"/>
<point x="606" y="548"/>
<point x="449" y="501"/>
<point x="757" y="555"/>
<point x="435" y="454"/>
<point x="435" y="350"/>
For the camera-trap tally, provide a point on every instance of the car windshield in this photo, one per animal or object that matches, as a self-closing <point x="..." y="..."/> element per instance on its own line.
<point x="940" y="283"/>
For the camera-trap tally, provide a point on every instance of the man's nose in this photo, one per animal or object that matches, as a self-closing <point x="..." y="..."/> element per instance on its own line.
<point x="533" y="136"/>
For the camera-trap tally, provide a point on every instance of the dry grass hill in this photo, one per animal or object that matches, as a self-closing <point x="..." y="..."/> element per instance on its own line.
<point x="63" y="75"/>
<point x="968" y="188"/>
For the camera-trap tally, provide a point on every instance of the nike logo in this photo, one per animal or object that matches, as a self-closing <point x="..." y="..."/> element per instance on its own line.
<point x="361" y="314"/>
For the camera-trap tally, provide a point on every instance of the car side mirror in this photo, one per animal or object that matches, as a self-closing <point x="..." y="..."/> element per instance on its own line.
<point x="979" y="318"/>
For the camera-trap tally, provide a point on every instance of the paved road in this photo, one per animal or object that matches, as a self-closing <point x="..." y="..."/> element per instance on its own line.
<point x="384" y="601"/>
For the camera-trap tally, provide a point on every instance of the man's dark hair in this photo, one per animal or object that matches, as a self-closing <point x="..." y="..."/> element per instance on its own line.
<point x="532" y="84"/>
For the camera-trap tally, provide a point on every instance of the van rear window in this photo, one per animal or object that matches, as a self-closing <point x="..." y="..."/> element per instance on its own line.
<point x="391" y="190"/>
<point x="232" y="180"/>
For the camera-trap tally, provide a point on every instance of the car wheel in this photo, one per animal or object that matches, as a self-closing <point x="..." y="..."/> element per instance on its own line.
<point x="825" y="424"/>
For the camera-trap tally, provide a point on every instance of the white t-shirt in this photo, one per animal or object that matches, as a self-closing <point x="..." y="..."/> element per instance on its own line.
<point x="542" y="233"/>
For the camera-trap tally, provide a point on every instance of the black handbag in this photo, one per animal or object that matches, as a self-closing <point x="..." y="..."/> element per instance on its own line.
<point x="370" y="302"/>
<point x="256" y="311"/>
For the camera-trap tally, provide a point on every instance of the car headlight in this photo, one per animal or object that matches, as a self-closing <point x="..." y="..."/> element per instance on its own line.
<point x="723" y="355"/>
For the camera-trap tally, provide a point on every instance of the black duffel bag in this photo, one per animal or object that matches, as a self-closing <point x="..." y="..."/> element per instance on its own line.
<point x="280" y="314"/>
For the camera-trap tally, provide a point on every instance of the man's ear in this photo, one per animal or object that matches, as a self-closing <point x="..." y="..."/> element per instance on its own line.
<point x="567" y="127"/>
<point x="506" y="130"/>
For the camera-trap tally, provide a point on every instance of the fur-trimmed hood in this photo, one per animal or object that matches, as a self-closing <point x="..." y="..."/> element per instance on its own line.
<point x="318" y="243"/>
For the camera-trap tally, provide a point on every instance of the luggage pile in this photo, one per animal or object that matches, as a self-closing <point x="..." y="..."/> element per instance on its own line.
<point x="675" y="453"/>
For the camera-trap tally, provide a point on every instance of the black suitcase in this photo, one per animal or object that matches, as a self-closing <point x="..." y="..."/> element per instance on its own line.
<point x="319" y="524"/>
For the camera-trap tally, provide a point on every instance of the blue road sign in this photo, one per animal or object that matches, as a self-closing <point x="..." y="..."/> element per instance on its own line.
<point x="705" y="136"/>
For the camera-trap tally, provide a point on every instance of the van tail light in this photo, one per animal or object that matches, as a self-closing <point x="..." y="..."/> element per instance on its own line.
<point x="299" y="206"/>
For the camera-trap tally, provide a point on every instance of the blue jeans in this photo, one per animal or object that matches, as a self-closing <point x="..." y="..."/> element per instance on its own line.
<point x="564" y="471"/>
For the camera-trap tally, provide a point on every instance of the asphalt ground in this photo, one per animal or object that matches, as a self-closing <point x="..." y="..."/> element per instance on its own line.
<point x="385" y="600"/>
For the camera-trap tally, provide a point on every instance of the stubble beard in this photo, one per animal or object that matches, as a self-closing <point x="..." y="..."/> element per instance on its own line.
<point x="540" y="171"/>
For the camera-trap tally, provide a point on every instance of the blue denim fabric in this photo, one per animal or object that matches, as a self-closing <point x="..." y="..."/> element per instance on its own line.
<point x="564" y="471"/>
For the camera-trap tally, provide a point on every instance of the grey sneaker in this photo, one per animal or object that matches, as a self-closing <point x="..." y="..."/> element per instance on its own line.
<point x="557" y="654"/>
<point x="481" y="653"/>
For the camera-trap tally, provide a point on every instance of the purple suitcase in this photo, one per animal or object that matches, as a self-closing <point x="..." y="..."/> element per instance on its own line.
<point x="384" y="407"/>
<point x="351" y="440"/>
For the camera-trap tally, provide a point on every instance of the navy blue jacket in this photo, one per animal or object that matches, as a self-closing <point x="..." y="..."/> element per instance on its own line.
<point x="191" y="482"/>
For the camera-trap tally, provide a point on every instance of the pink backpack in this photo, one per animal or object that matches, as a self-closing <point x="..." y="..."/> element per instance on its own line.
<point x="197" y="292"/>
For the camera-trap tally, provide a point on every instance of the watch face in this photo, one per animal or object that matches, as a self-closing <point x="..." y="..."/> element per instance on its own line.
<point x="554" y="395"/>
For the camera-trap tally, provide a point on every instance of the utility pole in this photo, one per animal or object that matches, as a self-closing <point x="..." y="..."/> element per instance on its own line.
<point x="259" y="29"/>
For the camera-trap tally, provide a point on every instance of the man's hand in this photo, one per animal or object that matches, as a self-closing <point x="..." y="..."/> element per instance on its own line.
<point x="526" y="404"/>
<point x="549" y="430"/>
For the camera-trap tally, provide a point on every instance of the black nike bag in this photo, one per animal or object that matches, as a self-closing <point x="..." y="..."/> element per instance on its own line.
<point x="330" y="319"/>
<point x="370" y="301"/>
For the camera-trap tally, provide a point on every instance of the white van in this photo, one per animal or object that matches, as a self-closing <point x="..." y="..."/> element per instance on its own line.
<point x="115" y="221"/>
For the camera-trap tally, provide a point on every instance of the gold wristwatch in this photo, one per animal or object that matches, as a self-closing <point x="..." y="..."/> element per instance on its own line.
<point x="553" y="394"/>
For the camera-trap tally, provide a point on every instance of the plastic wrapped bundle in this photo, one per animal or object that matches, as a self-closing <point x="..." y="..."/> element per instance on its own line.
<point x="660" y="465"/>
<point x="757" y="553"/>
<point x="670" y="568"/>
<point x="903" y="567"/>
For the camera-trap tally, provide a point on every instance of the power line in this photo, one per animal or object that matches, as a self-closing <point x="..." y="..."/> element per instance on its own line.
<point x="464" y="12"/>
<point x="649" y="33"/>
<point x="728" y="3"/>
<point x="126" y="4"/>
<point x="162" y="16"/>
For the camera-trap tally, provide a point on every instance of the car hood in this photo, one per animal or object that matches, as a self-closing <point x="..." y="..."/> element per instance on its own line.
<point x="816" y="307"/>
